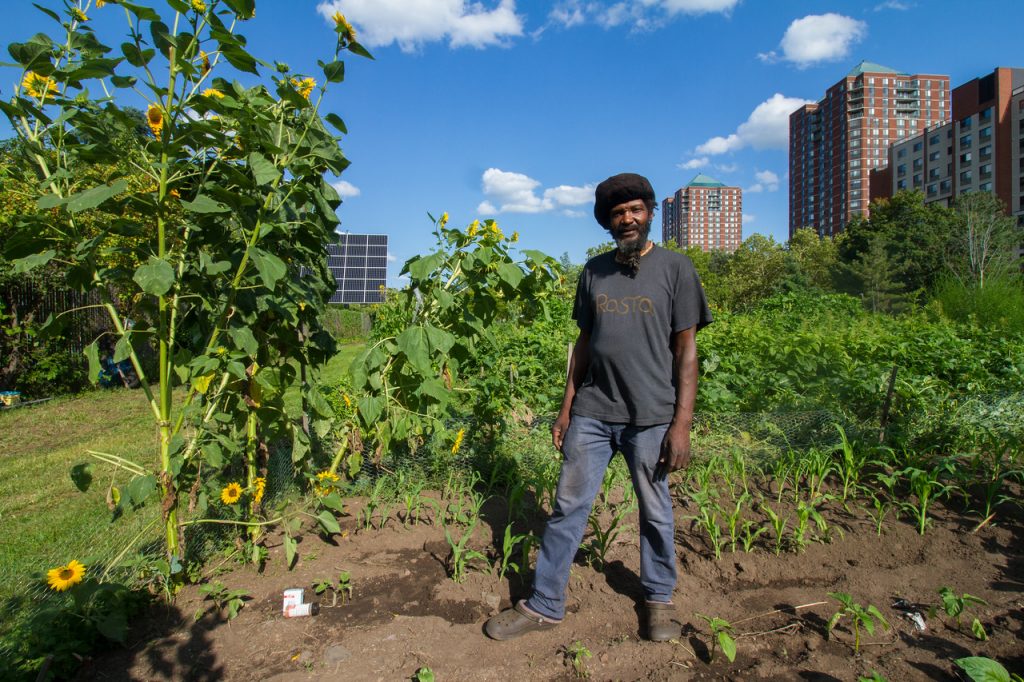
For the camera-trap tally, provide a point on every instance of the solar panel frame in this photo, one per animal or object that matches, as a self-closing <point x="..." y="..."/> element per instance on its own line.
<point x="359" y="264"/>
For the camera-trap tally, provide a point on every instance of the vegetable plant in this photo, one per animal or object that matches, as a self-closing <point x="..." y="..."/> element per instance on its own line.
<point x="602" y="538"/>
<point x="340" y="587"/>
<point x="723" y="633"/>
<point x="981" y="669"/>
<point x="955" y="604"/>
<point x="223" y="598"/>
<point x="861" y="616"/>
<point x="576" y="654"/>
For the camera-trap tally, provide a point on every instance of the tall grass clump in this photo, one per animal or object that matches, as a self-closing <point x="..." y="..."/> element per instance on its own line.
<point x="997" y="304"/>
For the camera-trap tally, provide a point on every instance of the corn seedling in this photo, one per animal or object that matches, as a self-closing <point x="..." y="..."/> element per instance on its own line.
<point x="981" y="669"/>
<point x="778" y="525"/>
<point x="733" y="520"/>
<point x="707" y="519"/>
<point x="738" y="466"/>
<point x="807" y="511"/>
<point x="576" y="654"/>
<point x="751" y="529"/>
<point x="926" y="487"/>
<point x="722" y="632"/>
<point x="861" y="617"/>
<point x="817" y="465"/>
<point x="851" y="464"/>
<point x="508" y="547"/>
<point x="954" y="605"/>
<point x="460" y="555"/>
<point x="602" y="538"/>
<point x="882" y="508"/>
<point x="614" y="476"/>
<point x="874" y="677"/>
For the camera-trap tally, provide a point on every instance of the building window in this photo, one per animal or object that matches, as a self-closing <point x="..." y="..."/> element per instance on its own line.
<point x="933" y="140"/>
<point x="985" y="153"/>
<point x="901" y="170"/>
<point x="917" y="180"/>
<point x="965" y="123"/>
<point x="985" y="171"/>
<point x="918" y="164"/>
<point x="934" y="156"/>
<point x="918" y="146"/>
<point x="965" y="158"/>
<point x="945" y="186"/>
<point x="902" y="184"/>
<point x="966" y="177"/>
<point x="932" y="190"/>
<point x="985" y="116"/>
<point x="901" y="153"/>
<point x="965" y="141"/>
<point x="985" y="134"/>
<point x="985" y="187"/>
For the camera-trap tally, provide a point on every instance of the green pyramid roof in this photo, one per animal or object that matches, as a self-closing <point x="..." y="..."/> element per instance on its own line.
<point x="704" y="181"/>
<point x="870" y="67"/>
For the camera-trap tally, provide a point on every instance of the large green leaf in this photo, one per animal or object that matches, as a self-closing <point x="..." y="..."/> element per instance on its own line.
<point x="328" y="522"/>
<point x="439" y="339"/>
<point x="334" y="72"/>
<point x="414" y="343"/>
<point x="271" y="268"/>
<point x="244" y="340"/>
<point x="510" y="273"/>
<point x="981" y="669"/>
<point x="263" y="170"/>
<point x="92" y="353"/>
<point x="22" y="265"/>
<point x="81" y="476"/>
<point x="204" y="204"/>
<point x="422" y="266"/>
<point x="370" y="408"/>
<point x="155" y="277"/>
<point x="91" y="198"/>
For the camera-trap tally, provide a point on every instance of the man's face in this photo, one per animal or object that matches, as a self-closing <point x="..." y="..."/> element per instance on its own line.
<point x="630" y="225"/>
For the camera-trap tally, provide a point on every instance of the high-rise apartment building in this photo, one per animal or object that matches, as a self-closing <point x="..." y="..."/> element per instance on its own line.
<point x="836" y="143"/>
<point x="705" y="213"/>
<point x="980" y="150"/>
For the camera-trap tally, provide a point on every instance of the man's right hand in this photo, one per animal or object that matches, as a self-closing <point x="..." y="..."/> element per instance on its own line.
<point x="558" y="430"/>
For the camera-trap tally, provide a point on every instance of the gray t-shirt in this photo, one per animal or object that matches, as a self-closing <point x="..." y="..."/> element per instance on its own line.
<point x="631" y="321"/>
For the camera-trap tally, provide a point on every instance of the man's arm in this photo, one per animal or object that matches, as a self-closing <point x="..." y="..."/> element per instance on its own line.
<point x="675" y="448"/>
<point x="579" y="362"/>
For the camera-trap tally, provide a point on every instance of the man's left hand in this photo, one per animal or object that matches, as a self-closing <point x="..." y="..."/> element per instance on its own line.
<point x="675" y="450"/>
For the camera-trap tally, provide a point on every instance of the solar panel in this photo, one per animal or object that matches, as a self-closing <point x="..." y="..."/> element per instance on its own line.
<point x="359" y="264"/>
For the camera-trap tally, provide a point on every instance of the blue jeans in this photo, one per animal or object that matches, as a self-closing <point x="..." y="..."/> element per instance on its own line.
<point x="588" y="448"/>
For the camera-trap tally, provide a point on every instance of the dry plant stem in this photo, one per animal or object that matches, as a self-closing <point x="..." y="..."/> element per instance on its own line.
<point x="770" y="613"/>
<point x="790" y="629"/>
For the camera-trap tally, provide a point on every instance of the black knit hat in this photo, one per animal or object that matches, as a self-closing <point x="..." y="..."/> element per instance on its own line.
<point x="619" y="189"/>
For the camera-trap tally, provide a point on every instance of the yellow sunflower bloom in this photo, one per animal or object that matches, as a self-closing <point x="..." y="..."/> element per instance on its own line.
<point x="155" y="119"/>
<point x="327" y="480"/>
<point x="205" y="59"/>
<point x="343" y="27"/>
<point x="198" y="5"/>
<point x="231" y="493"/>
<point x="304" y="86"/>
<point x="259" y="487"/>
<point x="63" y="577"/>
<point x="348" y="401"/>
<point x="514" y="238"/>
<point x="213" y="92"/>
<point x="100" y="3"/>
<point x="38" y="87"/>
<point x="474" y="227"/>
<point x="458" y="441"/>
<point x="78" y="14"/>
<point x="444" y="219"/>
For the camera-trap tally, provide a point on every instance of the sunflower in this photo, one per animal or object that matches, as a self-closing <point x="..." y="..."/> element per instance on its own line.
<point x="38" y="87"/>
<point x="213" y="92"/>
<point x="100" y="3"/>
<point x="259" y="487"/>
<point x="304" y="86"/>
<point x="458" y="441"/>
<point x="348" y="401"/>
<point x="78" y="14"/>
<point x="324" y="488"/>
<point x="515" y="237"/>
<point x="205" y="59"/>
<point x="343" y="27"/>
<point x="198" y="5"/>
<point x="474" y="227"/>
<point x="155" y="119"/>
<point x="444" y="219"/>
<point x="231" y="493"/>
<point x="63" y="577"/>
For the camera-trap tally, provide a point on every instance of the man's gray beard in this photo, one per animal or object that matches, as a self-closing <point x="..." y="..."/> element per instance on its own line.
<point x="629" y="254"/>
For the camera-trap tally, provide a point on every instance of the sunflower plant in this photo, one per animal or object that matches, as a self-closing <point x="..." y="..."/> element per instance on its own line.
<point x="221" y="201"/>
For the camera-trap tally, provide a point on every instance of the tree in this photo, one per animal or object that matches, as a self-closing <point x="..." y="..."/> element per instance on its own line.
<point x="916" y="238"/>
<point x="752" y="273"/>
<point x="812" y="260"/>
<point x="986" y="241"/>
<point x="877" y="277"/>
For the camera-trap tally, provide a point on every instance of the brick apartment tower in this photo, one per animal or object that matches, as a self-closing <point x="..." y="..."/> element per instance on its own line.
<point x="836" y="143"/>
<point x="980" y="150"/>
<point x="705" y="213"/>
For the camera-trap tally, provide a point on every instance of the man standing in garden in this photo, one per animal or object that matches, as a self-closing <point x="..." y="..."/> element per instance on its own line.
<point x="631" y="387"/>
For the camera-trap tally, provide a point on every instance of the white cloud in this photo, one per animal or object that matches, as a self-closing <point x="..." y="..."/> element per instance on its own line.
<point x="346" y="189"/>
<point x="726" y="167"/>
<point x="642" y="14"/>
<point x="893" y="4"/>
<point x="391" y="257"/>
<point x="411" y="23"/>
<point x="818" y="38"/>
<point x="693" y="164"/>
<point x="767" y="127"/>
<point x="767" y="181"/>
<point x="749" y="218"/>
<point x="509" y="192"/>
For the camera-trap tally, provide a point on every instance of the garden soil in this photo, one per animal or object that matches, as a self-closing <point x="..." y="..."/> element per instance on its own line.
<point x="405" y="614"/>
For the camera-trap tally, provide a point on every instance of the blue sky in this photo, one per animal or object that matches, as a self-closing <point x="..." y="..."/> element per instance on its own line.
<point x="515" y="109"/>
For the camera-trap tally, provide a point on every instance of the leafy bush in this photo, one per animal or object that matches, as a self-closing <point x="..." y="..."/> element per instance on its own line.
<point x="997" y="305"/>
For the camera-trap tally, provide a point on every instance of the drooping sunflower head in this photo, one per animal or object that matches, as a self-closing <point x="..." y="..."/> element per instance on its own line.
<point x="304" y="86"/>
<point x="198" y="5"/>
<point x="78" y="14"/>
<point x="231" y="493"/>
<point x="458" y="441"/>
<point x="63" y="577"/>
<point x="259" y="487"/>
<point x="205" y="61"/>
<point x="343" y="27"/>
<point x="38" y="87"/>
<point x="155" y="119"/>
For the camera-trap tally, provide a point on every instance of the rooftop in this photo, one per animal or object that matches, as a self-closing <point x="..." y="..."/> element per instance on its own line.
<point x="869" y="67"/>
<point x="704" y="181"/>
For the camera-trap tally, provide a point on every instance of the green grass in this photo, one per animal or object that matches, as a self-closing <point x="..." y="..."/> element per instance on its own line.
<point x="46" y="521"/>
